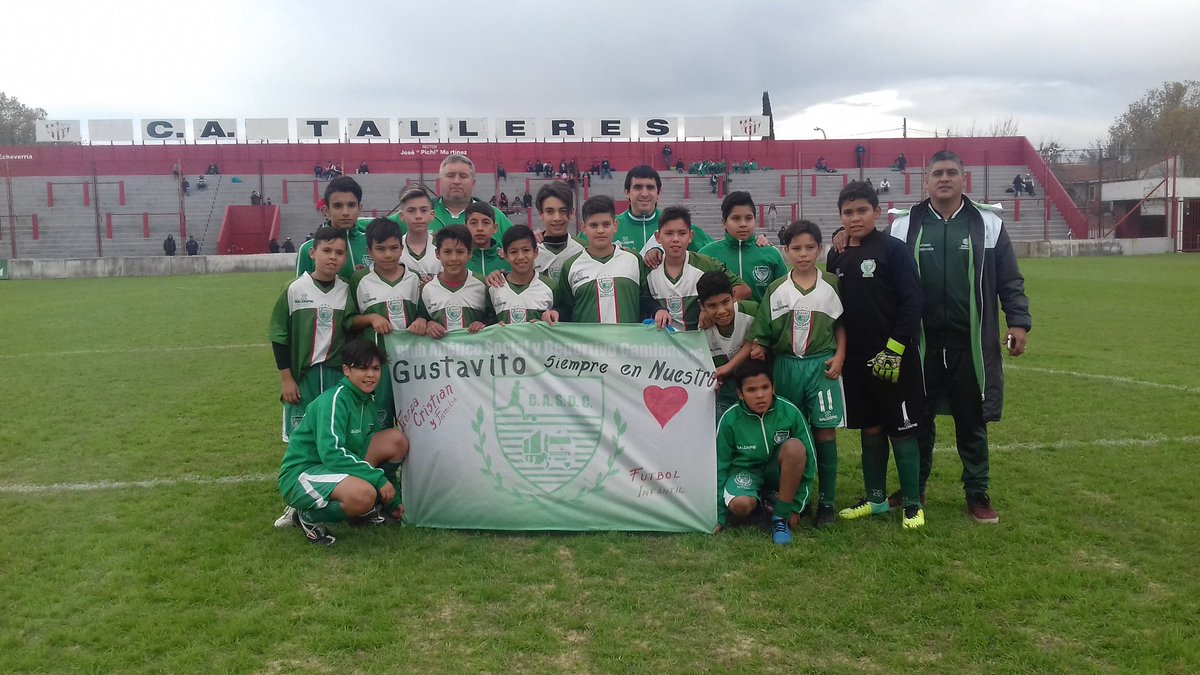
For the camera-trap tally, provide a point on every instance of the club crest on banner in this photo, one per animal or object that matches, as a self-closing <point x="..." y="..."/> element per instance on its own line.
<point x="548" y="428"/>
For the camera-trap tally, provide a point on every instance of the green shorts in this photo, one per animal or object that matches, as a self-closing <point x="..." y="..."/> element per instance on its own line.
<point x="754" y="482"/>
<point x="312" y="384"/>
<point x="311" y="488"/>
<point x="802" y="381"/>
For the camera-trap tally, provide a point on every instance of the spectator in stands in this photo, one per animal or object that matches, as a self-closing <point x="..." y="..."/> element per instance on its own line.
<point x="310" y="234"/>
<point x="319" y="172"/>
<point x="176" y="170"/>
<point x="822" y="166"/>
<point x="201" y="183"/>
<point x="860" y="152"/>
<point x="1029" y="185"/>
<point x="1018" y="186"/>
<point x="268" y="201"/>
<point x="363" y="168"/>
<point x="255" y="198"/>
<point x="501" y="172"/>
<point x="666" y="153"/>
<point x="492" y="200"/>
<point x="884" y="186"/>
<point x="289" y="247"/>
<point x="529" y="166"/>
<point x="527" y="200"/>
<point x="605" y="168"/>
<point x="899" y="163"/>
<point x="192" y="246"/>
<point x="679" y="166"/>
<point x="169" y="245"/>
<point x="213" y="170"/>
<point x="187" y="186"/>
<point x="595" y="167"/>
<point x="503" y="201"/>
<point x="273" y="246"/>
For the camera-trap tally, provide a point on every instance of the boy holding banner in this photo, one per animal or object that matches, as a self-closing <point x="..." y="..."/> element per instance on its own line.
<point x="385" y="298"/>
<point x="525" y="295"/>
<point x="763" y="443"/>
<point x="455" y="299"/>
<point x="604" y="283"/>
<point x="673" y="283"/>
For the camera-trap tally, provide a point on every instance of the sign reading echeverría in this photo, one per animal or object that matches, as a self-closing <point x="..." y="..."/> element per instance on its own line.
<point x="570" y="427"/>
<point x="431" y="129"/>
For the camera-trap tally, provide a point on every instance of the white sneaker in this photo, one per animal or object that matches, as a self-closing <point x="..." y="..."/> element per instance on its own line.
<point x="287" y="519"/>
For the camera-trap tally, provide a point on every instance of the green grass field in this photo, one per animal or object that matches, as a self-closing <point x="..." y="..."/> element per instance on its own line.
<point x="140" y="441"/>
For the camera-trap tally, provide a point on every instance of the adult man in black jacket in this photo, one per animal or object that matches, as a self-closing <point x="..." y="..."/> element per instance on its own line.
<point x="966" y="263"/>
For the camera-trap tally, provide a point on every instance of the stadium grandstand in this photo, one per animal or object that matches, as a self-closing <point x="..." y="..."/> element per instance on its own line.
<point x="82" y="201"/>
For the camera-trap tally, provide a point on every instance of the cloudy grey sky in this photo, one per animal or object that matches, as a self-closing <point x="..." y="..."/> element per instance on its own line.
<point x="1062" y="69"/>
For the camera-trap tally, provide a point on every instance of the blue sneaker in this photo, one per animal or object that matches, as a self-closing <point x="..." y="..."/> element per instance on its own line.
<point x="781" y="534"/>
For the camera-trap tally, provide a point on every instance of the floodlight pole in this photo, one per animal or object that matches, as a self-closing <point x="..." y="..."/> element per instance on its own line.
<point x="96" y="209"/>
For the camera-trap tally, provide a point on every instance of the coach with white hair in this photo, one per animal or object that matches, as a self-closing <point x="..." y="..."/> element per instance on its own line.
<point x="457" y="175"/>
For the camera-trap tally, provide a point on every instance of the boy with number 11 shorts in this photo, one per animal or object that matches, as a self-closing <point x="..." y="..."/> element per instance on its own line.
<point x="798" y="322"/>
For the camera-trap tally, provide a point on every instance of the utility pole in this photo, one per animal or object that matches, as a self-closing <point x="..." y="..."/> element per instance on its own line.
<point x="905" y="132"/>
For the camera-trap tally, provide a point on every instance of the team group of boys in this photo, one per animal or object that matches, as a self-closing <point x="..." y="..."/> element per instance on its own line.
<point x="798" y="352"/>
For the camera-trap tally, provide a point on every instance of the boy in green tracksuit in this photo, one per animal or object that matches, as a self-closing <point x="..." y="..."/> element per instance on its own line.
<point x="604" y="283"/>
<point x="455" y="299"/>
<point x="673" y="283"/>
<point x="757" y="265"/>
<point x="556" y="205"/>
<point x="763" y="443"/>
<point x="727" y="333"/>
<point x="337" y="465"/>
<point x="385" y="298"/>
<point x="485" y="254"/>
<point x="525" y="295"/>
<point x="797" y="321"/>
<point x="308" y="326"/>
<point x="343" y="205"/>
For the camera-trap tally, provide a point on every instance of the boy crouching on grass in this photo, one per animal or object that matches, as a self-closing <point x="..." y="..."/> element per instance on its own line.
<point x="337" y="466"/>
<point x="763" y="443"/>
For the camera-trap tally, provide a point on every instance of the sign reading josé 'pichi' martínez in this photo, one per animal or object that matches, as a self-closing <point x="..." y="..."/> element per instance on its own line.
<point x="386" y="129"/>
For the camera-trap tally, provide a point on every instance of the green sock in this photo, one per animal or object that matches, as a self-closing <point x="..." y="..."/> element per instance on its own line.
<point x="908" y="465"/>
<point x="874" y="466"/>
<point x="783" y="509"/>
<point x="827" y="465"/>
<point x="332" y="513"/>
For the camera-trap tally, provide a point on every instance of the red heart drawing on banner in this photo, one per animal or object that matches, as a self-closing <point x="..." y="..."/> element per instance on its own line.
<point x="664" y="403"/>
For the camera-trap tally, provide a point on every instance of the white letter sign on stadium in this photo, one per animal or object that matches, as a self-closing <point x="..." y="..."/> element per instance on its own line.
<point x="419" y="128"/>
<point x="214" y="129"/>
<point x="110" y="131"/>
<point x="317" y="128"/>
<point x="58" y="131"/>
<point x="267" y="129"/>
<point x="163" y="130"/>
<point x="570" y="427"/>
<point x="370" y="128"/>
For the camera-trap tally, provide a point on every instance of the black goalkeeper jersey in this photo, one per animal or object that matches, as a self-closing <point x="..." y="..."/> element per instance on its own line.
<point x="881" y="294"/>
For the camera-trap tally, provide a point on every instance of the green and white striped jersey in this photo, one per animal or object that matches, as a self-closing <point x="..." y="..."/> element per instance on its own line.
<point x="426" y="265"/>
<point x="455" y="308"/>
<point x="397" y="302"/>
<point x="514" y="303"/>
<point x="551" y="257"/>
<point x="798" y="322"/>
<point x="678" y="296"/>
<point x="311" y="322"/>
<point x="612" y="290"/>
<point x="724" y="347"/>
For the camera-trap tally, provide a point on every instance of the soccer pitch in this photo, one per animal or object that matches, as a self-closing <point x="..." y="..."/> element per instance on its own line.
<point x="140" y="443"/>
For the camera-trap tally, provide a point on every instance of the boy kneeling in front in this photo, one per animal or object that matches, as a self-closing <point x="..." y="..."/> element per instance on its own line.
<point x="337" y="467"/>
<point x="763" y="444"/>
